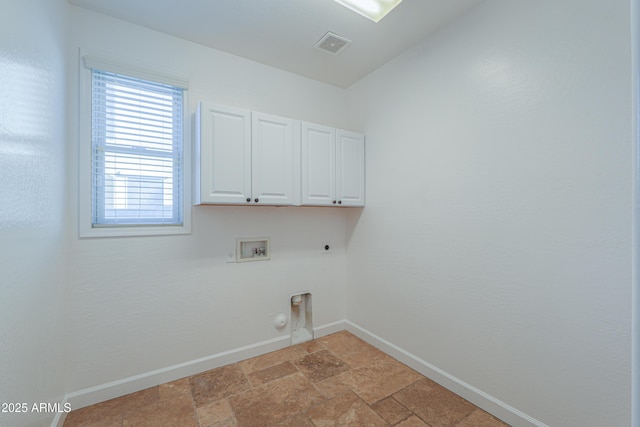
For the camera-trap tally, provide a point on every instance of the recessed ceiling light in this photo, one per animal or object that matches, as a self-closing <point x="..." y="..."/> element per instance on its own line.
<point x="372" y="9"/>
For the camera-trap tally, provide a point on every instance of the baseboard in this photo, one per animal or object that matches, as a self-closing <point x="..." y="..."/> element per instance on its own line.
<point x="92" y="395"/>
<point x="329" y="328"/>
<point x="100" y="393"/>
<point x="496" y="407"/>
<point x="58" y="420"/>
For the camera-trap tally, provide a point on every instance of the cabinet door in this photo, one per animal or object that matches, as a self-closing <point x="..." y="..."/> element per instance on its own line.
<point x="349" y="168"/>
<point x="272" y="159"/>
<point x="223" y="151"/>
<point x="318" y="165"/>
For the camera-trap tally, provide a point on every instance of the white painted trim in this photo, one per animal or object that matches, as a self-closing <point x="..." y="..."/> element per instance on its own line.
<point x="100" y="393"/>
<point x="134" y="70"/>
<point x="58" y="420"/>
<point x="476" y="396"/>
<point x="329" y="328"/>
<point x="85" y="228"/>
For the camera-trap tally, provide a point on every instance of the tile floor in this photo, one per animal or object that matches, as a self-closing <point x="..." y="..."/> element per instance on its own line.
<point x="336" y="380"/>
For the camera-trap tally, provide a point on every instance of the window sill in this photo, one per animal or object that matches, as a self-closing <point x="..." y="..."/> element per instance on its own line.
<point x="134" y="231"/>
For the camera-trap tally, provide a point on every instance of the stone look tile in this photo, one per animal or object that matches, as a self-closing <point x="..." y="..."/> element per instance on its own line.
<point x="111" y="412"/>
<point x="274" y="401"/>
<point x="343" y="411"/>
<point x="480" y="418"/>
<point x="131" y="402"/>
<point x="271" y="359"/>
<point x="391" y="410"/>
<point x="434" y="404"/>
<point x="321" y="365"/>
<point x="215" y="413"/>
<point x="217" y="384"/>
<point x="373" y="383"/>
<point x="170" y="412"/>
<point x="312" y="346"/>
<point x="231" y="422"/>
<point x="175" y="390"/>
<point x="336" y="380"/>
<point x="367" y="355"/>
<point x="71" y="421"/>
<point x="298" y="420"/>
<point x="272" y="373"/>
<point x="332" y="387"/>
<point x="412" y="421"/>
<point x="342" y="343"/>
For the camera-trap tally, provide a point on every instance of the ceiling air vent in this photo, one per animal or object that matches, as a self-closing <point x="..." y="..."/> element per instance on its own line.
<point x="332" y="43"/>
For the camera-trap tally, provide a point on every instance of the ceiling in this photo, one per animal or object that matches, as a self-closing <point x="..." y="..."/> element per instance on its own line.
<point x="282" y="33"/>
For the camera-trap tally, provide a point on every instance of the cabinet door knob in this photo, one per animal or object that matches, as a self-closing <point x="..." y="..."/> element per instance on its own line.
<point x="334" y="202"/>
<point x="248" y="200"/>
<point x="340" y="202"/>
<point x="256" y="200"/>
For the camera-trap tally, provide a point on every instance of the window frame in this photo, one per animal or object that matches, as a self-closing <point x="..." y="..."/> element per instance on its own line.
<point x="85" y="152"/>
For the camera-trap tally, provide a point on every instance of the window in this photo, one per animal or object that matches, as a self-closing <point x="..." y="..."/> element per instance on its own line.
<point x="137" y="155"/>
<point x="137" y="151"/>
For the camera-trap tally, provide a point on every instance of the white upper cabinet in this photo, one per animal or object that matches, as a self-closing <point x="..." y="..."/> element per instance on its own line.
<point x="332" y="166"/>
<point x="349" y="168"/>
<point x="250" y="158"/>
<point x="272" y="159"/>
<point x="243" y="157"/>
<point x="223" y="155"/>
<point x="318" y="165"/>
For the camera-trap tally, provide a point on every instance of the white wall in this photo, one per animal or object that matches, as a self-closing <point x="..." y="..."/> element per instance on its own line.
<point x="141" y="304"/>
<point x="496" y="241"/>
<point x="33" y="244"/>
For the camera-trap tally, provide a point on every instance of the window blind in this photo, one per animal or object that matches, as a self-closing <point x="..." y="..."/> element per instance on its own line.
<point x="137" y="163"/>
